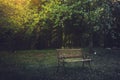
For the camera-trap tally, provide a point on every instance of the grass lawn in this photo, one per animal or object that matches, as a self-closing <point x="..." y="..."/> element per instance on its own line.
<point x="41" y="65"/>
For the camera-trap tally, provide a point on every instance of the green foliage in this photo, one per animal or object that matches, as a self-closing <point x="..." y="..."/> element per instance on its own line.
<point x="19" y="15"/>
<point x="18" y="20"/>
<point x="83" y="16"/>
<point x="57" y="23"/>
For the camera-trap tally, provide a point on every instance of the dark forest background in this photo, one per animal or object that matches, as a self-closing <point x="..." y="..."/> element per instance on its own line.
<point x="43" y="24"/>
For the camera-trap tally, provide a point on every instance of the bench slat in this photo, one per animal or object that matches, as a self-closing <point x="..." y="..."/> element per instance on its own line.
<point x="72" y="55"/>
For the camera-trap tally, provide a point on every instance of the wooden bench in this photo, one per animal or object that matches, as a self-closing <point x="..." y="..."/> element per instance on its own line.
<point x="72" y="55"/>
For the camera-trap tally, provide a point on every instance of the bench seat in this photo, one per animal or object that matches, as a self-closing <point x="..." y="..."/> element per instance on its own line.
<point x="76" y="60"/>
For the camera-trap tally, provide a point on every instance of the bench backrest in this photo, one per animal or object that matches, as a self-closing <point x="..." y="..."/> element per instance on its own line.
<point x="70" y="53"/>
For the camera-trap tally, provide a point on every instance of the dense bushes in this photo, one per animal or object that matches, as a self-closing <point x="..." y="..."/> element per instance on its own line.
<point x="38" y="24"/>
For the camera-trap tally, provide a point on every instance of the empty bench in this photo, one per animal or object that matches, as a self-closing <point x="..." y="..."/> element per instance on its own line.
<point x="72" y="55"/>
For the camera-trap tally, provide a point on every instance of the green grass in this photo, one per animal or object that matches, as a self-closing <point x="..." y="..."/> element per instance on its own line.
<point x="41" y="65"/>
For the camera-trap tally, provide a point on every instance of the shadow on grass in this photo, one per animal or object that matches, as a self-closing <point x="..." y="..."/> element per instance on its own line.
<point x="49" y="73"/>
<point x="31" y="66"/>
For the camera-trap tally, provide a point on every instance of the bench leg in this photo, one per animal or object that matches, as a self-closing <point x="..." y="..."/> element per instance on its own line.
<point x="90" y="65"/>
<point x="86" y="63"/>
<point x="83" y="64"/>
<point x="61" y="65"/>
<point x="58" y="66"/>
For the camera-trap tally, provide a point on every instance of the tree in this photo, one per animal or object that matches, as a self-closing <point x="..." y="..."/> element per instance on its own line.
<point x="72" y="16"/>
<point x="57" y="23"/>
<point x="18" y="16"/>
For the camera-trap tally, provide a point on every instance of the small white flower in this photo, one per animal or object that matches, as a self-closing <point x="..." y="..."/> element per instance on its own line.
<point x="94" y="52"/>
